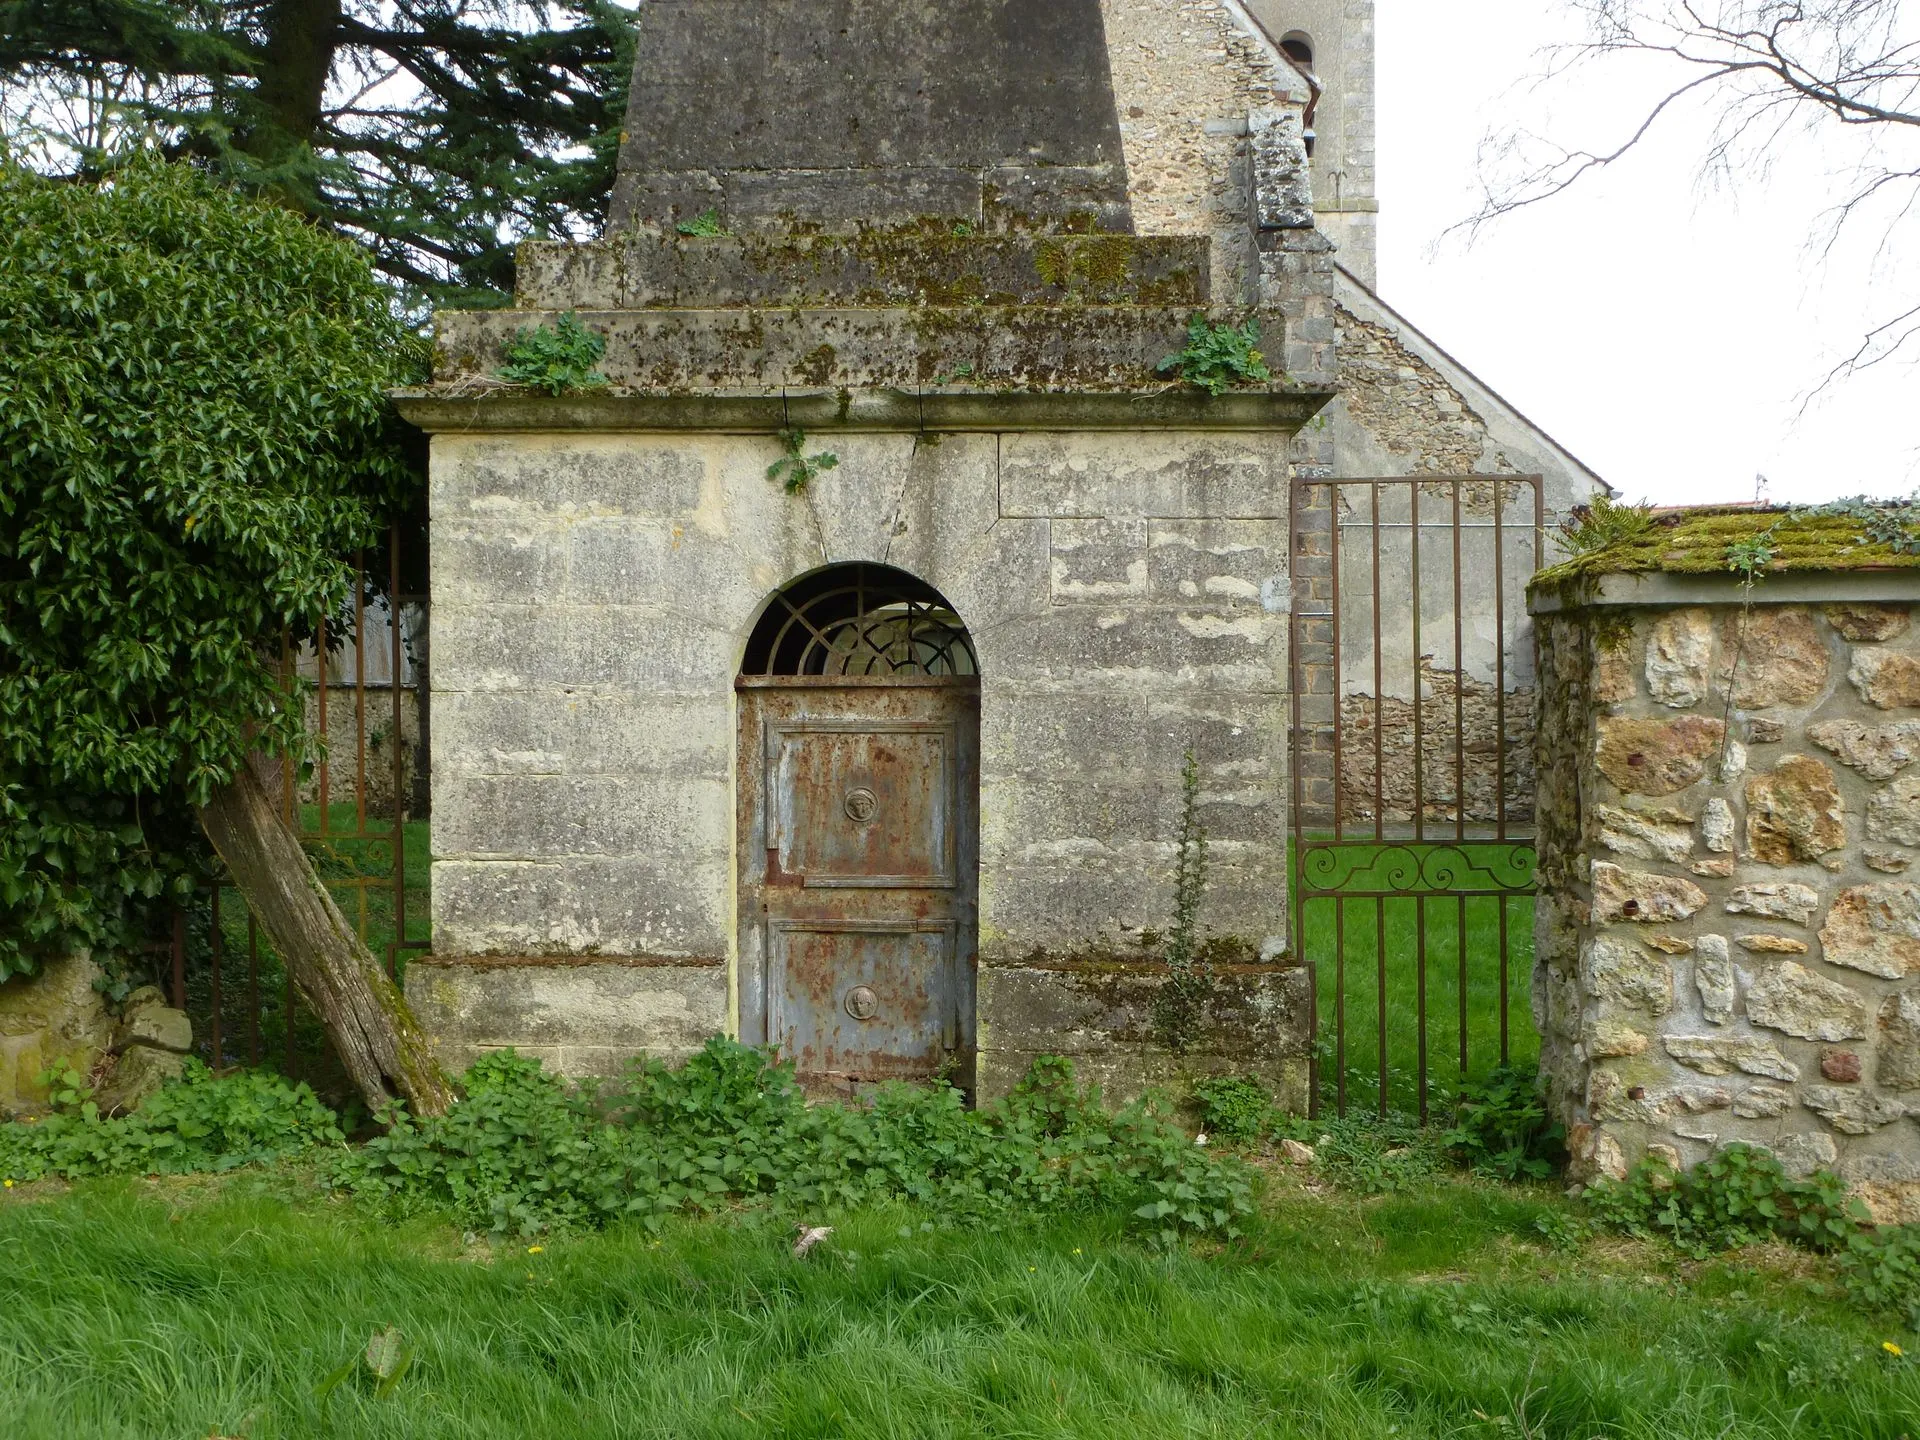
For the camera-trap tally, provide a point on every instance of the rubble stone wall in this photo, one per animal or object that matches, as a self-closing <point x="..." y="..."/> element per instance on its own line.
<point x="1728" y="933"/>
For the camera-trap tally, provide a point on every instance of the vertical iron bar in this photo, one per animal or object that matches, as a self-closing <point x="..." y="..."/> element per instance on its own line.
<point x="1379" y="709"/>
<point x="360" y="690"/>
<point x="320" y="682"/>
<point x="1420" y="960"/>
<point x="179" y="959"/>
<point x="1380" y="989"/>
<point x="399" y="767"/>
<point x="1340" y="1001"/>
<point x="290" y="679"/>
<point x="1461" y="937"/>
<point x="1336" y="686"/>
<point x="1504" y="1056"/>
<point x="1419" y="757"/>
<point x="1459" y="683"/>
<point x="213" y="938"/>
<point x="1460" y="759"/>
<point x="253" y="988"/>
<point x="1500" y="670"/>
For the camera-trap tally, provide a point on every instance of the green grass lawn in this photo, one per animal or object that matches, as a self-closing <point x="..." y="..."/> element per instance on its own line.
<point x="1381" y="936"/>
<point x="220" y="1306"/>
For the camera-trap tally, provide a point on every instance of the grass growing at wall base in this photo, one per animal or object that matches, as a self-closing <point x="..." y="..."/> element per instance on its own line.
<point x="197" y="1307"/>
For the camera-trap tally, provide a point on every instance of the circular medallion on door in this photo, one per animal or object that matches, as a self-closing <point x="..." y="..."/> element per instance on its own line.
<point x="862" y="1003"/>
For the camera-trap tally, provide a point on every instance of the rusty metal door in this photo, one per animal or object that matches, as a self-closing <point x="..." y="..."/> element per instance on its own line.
<point x="857" y="841"/>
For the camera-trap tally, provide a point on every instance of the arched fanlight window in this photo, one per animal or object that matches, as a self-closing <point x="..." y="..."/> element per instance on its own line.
<point x="859" y="619"/>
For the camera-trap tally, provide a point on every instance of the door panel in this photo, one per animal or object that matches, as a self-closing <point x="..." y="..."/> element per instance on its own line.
<point x="862" y="803"/>
<point x="868" y="1000"/>
<point x="857" y="842"/>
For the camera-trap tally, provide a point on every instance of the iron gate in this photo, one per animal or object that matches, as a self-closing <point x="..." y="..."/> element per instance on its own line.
<point x="361" y="812"/>
<point x="1412" y="756"/>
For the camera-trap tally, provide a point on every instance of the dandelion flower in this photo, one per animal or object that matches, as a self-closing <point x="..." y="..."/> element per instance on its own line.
<point x="536" y="1249"/>
<point x="1891" y="1348"/>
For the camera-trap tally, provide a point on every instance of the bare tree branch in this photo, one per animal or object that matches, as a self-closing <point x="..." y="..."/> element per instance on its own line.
<point x="1765" y="76"/>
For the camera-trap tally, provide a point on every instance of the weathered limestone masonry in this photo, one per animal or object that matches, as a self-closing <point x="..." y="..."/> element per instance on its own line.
<point x="1406" y="407"/>
<point x="931" y="268"/>
<point x="1728" y="932"/>
<point x="59" y="1019"/>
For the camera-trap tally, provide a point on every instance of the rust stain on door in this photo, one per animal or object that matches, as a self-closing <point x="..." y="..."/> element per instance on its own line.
<point x="858" y="837"/>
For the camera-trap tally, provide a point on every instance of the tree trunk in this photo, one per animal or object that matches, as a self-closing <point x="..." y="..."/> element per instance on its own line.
<point x="374" y="1034"/>
<point x="296" y="61"/>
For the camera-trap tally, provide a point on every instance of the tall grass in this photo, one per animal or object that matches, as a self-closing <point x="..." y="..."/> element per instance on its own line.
<point x="131" y="1310"/>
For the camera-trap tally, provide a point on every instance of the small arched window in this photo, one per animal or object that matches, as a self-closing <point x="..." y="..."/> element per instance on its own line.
<point x="1298" y="47"/>
<point x="859" y="619"/>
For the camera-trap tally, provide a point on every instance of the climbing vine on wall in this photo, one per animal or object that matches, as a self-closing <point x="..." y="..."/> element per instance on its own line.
<point x="1180" y="1007"/>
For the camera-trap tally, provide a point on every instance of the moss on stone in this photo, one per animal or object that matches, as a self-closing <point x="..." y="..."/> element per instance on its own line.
<point x="1694" y="541"/>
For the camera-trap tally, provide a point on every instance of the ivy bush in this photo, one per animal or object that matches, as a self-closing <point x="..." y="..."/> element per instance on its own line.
<point x="524" y="1153"/>
<point x="195" y="431"/>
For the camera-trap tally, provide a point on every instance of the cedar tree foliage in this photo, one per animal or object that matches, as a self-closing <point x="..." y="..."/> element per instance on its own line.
<point x="436" y="131"/>
<point x="194" y="429"/>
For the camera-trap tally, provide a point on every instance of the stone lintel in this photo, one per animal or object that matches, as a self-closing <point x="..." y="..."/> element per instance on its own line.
<point x="1794" y="587"/>
<point x="558" y="962"/>
<point x="1047" y="347"/>
<point x="507" y="409"/>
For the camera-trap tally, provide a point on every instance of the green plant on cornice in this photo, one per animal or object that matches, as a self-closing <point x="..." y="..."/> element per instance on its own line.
<point x="556" y="358"/>
<point x="1605" y="522"/>
<point x="796" y="466"/>
<point x="1892" y="523"/>
<point x="705" y="225"/>
<point x="1217" y="357"/>
<point x="1181" y="1003"/>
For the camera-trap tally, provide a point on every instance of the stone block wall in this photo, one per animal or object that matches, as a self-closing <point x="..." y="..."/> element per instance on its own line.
<point x="1256" y="1021"/>
<point x="1126" y="594"/>
<point x="49" y="1019"/>
<point x="1728" y="932"/>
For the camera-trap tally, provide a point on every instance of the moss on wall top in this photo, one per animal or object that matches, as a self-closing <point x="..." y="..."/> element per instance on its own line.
<point x="1612" y="539"/>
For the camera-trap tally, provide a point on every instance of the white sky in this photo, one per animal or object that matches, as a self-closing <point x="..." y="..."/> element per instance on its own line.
<point x="1663" y="328"/>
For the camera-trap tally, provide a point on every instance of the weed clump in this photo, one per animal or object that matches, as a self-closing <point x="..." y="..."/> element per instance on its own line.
<point x="556" y="358"/>
<point x="1502" y="1129"/>
<point x="524" y="1153"/>
<point x="1737" y="1197"/>
<point x="1216" y="358"/>
<point x="204" y="1122"/>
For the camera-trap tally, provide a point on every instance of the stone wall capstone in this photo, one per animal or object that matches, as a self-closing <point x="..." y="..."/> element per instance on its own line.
<point x="1728" y="930"/>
